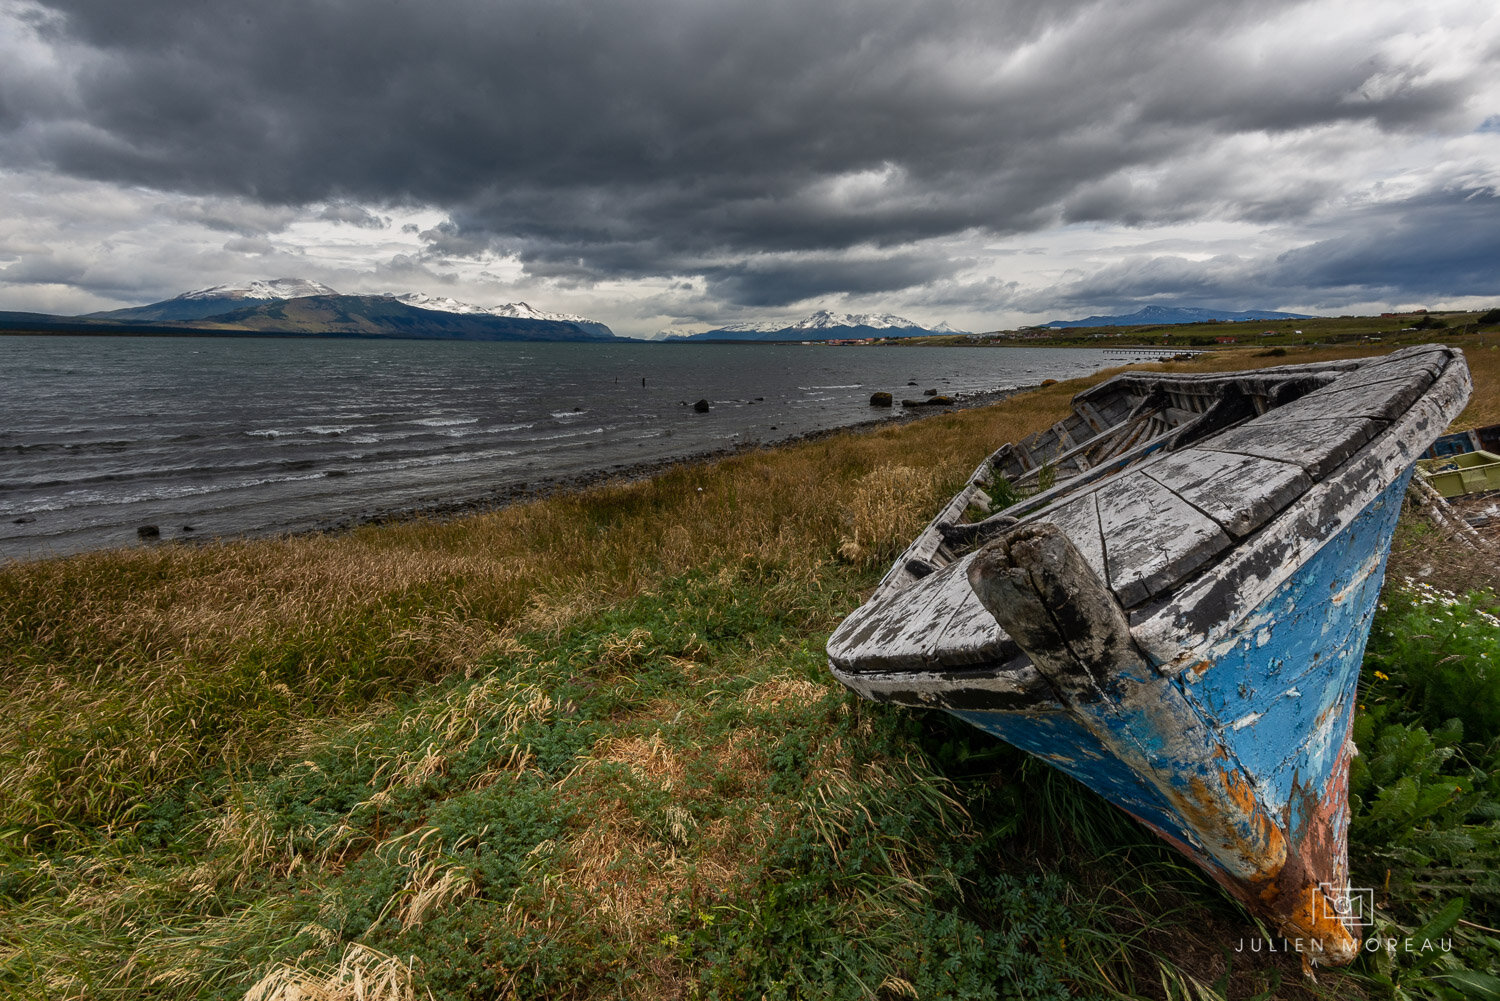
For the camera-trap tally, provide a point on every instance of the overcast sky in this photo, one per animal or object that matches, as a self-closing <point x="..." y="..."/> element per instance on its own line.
<point x="672" y="165"/>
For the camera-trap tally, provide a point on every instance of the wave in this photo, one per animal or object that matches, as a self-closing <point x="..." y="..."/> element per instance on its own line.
<point x="24" y="448"/>
<point x="443" y="422"/>
<point x="99" y="498"/>
<point x="565" y="434"/>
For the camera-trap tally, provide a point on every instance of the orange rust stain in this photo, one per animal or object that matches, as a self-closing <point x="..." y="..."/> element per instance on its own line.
<point x="1241" y="793"/>
<point x="1314" y="917"/>
<point x="1238" y="833"/>
<point x="1220" y="820"/>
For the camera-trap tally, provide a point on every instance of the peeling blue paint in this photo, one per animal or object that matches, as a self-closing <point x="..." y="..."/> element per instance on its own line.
<point x="1278" y="692"/>
<point x="1301" y="681"/>
<point x="1061" y="741"/>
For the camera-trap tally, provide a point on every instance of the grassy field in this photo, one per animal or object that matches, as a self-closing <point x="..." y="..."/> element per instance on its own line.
<point x="587" y="747"/>
<point x="1461" y="329"/>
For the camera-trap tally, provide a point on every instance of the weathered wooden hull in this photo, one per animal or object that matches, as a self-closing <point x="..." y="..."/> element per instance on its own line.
<point x="1277" y="692"/>
<point x="1214" y="705"/>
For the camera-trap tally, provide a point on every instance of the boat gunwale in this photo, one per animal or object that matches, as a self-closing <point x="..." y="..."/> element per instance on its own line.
<point x="1261" y="556"/>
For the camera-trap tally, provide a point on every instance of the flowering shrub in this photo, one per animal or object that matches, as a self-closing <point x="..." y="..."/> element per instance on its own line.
<point x="1438" y="654"/>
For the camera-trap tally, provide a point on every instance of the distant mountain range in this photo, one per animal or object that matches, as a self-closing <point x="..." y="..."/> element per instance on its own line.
<point x="1175" y="314"/>
<point x="821" y="326"/>
<point x="296" y="306"/>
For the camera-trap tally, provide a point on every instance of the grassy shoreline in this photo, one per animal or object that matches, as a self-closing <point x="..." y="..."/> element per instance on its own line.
<point x="587" y="747"/>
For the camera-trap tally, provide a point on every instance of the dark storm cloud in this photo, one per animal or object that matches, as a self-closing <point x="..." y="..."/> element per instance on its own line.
<point x="353" y="215"/>
<point x="599" y="139"/>
<point x="1430" y="247"/>
<point x="1438" y="244"/>
<point x="47" y="268"/>
<point x="778" y="281"/>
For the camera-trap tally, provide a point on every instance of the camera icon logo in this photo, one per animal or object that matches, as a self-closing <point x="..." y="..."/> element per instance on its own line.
<point x="1350" y="906"/>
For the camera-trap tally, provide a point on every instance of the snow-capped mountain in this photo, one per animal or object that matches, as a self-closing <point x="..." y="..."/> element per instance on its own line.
<point x="441" y="303"/>
<point x="821" y="326"/>
<point x="516" y="310"/>
<point x="297" y="305"/>
<point x="825" y="320"/>
<point x="276" y="288"/>
<point x="205" y="302"/>
<point x="755" y="327"/>
<point x="526" y="311"/>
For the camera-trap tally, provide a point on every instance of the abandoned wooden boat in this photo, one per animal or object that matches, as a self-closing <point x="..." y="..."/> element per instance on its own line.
<point x="1175" y="611"/>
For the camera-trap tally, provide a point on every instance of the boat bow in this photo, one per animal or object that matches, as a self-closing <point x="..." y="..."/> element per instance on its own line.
<point x="1175" y="610"/>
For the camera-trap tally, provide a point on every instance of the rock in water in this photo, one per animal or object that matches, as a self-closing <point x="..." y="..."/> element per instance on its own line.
<point x="148" y="532"/>
<point x="880" y="400"/>
<point x="701" y="406"/>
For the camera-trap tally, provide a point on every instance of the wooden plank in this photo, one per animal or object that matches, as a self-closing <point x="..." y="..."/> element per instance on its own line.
<point x="1131" y="433"/>
<point x="1115" y="410"/>
<point x="971" y="635"/>
<point x="1104" y="468"/>
<point x="1318" y="446"/>
<point x="1239" y="492"/>
<point x="1079" y="521"/>
<point x="1209" y="607"/>
<point x="946" y="624"/>
<point x="928" y="544"/>
<point x="950" y="598"/>
<point x="1017" y="687"/>
<point x="1186" y="400"/>
<point x="1095" y="420"/>
<point x="1430" y="358"/>
<point x="1384" y="399"/>
<point x="1177" y="416"/>
<point x="1152" y="537"/>
<point x="1077" y="454"/>
<point x="892" y="630"/>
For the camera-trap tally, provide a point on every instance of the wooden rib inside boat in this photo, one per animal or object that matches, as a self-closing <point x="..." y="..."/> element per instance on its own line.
<point x="1167" y="596"/>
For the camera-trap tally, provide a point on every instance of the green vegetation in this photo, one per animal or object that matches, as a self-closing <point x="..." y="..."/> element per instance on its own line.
<point x="1425" y="790"/>
<point x="1456" y="328"/>
<point x="588" y="747"/>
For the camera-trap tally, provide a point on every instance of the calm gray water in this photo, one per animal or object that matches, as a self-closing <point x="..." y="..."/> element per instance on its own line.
<point x="100" y="435"/>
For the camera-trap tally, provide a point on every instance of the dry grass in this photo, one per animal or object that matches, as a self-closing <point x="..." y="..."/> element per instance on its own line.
<point x="361" y="975"/>
<point x="885" y="507"/>
<point x="129" y="669"/>
<point x="139" y="672"/>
